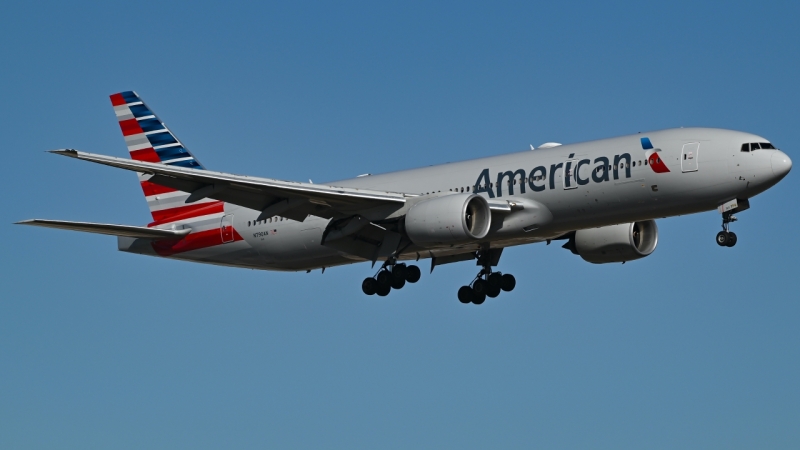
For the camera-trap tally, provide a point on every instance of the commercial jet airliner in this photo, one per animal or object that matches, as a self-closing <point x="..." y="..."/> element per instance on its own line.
<point x="601" y="197"/>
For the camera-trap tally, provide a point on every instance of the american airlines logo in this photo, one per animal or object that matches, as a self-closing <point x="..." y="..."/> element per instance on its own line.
<point x="651" y="154"/>
<point x="603" y="169"/>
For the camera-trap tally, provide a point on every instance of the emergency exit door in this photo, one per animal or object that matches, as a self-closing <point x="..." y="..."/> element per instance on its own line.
<point x="570" y="177"/>
<point x="689" y="157"/>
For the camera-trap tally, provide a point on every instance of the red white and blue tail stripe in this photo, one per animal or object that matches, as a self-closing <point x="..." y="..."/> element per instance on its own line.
<point x="148" y="139"/>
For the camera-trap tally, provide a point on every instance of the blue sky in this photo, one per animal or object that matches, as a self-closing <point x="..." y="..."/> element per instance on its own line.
<point x="695" y="346"/>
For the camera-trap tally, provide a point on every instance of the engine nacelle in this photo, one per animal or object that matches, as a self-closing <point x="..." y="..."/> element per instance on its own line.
<point x="449" y="219"/>
<point x="616" y="243"/>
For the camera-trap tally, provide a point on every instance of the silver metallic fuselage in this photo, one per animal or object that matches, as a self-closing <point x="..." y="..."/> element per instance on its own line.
<point x="713" y="172"/>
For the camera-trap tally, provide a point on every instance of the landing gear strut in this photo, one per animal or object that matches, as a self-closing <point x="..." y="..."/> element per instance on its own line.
<point x="726" y="238"/>
<point x="390" y="276"/>
<point x="486" y="283"/>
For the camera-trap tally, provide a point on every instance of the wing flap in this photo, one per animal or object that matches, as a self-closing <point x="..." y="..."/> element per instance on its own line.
<point x="109" y="229"/>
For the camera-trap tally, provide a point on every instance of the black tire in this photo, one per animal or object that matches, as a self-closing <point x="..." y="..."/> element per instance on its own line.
<point x="384" y="279"/>
<point x="412" y="274"/>
<point x="369" y="286"/>
<point x="399" y="271"/>
<point x="383" y="291"/>
<point x="731" y="239"/>
<point x="465" y="294"/>
<point x="480" y="287"/>
<point x="508" y="282"/>
<point x="493" y="291"/>
<point x="722" y="238"/>
<point x="398" y="283"/>
<point x="495" y="279"/>
<point x="479" y="298"/>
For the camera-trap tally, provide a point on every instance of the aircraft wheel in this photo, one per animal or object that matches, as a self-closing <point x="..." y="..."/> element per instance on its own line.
<point x="398" y="283"/>
<point x="383" y="291"/>
<point x="412" y="274"/>
<point x="493" y="291"/>
<point x="495" y="280"/>
<point x="369" y="286"/>
<point x="722" y="238"/>
<point x="465" y="294"/>
<point x="480" y="287"/>
<point x="384" y="279"/>
<point x="731" y="239"/>
<point x="508" y="282"/>
<point x="479" y="298"/>
<point x="399" y="271"/>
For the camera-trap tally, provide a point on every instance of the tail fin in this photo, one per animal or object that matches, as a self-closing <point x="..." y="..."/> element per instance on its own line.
<point x="148" y="139"/>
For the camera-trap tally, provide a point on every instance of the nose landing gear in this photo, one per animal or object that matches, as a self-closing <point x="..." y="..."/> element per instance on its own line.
<point x="727" y="238"/>
<point x="391" y="276"/>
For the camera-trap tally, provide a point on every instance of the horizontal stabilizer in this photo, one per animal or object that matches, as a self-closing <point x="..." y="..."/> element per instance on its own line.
<point x="105" y="228"/>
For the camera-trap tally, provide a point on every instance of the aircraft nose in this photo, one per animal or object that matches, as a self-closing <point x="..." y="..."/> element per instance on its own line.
<point x="781" y="164"/>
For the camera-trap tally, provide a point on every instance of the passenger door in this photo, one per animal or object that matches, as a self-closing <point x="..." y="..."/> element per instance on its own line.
<point x="226" y="228"/>
<point x="689" y="157"/>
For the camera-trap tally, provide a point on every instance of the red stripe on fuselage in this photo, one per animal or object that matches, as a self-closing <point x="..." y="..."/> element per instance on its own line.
<point x="192" y="241"/>
<point x="146" y="155"/>
<point x="117" y="100"/>
<point x="186" y="212"/>
<point x="155" y="189"/>
<point x="130" y="127"/>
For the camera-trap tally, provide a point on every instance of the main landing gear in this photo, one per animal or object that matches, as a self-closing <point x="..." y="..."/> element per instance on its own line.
<point x="726" y="238"/>
<point x="487" y="283"/>
<point x="391" y="276"/>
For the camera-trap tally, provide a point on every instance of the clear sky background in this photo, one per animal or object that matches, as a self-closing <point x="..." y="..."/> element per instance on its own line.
<point x="696" y="346"/>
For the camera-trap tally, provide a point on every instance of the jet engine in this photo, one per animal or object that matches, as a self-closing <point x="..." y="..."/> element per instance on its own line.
<point x="450" y="219"/>
<point x="615" y="243"/>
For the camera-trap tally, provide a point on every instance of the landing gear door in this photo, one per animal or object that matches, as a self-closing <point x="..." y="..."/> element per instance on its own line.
<point x="689" y="157"/>
<point x="570" y="177"/>
<point x="226" y="228"/>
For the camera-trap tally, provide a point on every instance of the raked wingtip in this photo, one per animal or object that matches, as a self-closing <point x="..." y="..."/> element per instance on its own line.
<point x="71" y="152"/>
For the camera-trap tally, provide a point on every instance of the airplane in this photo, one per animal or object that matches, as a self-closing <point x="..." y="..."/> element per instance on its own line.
<point x="602" y="197"/>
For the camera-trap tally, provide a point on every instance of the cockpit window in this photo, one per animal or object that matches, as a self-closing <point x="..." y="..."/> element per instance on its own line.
<point x="753" y="146"/>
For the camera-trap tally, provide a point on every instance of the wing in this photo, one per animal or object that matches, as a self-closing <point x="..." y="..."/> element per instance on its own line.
<point x="105" y="228"/>
<point x="272" y="197"/>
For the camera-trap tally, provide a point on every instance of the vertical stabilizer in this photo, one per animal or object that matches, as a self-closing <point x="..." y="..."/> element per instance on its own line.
<point x="148" y="139"/>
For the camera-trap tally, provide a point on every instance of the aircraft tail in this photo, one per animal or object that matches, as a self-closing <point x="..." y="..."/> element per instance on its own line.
<point x="148" y="139"/>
